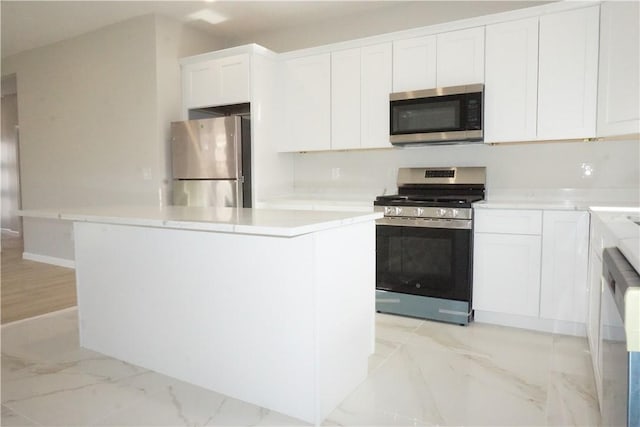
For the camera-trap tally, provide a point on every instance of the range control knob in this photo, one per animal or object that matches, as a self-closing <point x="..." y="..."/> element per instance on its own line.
<point x="455" y="213"/>
<point x="398" y="211"/>
<point x="441" y="212"/>
<point x="419" y="211"/>
<point x="388" y="210"/>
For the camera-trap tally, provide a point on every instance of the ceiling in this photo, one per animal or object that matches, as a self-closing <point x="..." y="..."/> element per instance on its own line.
<point x="30" y="24"/>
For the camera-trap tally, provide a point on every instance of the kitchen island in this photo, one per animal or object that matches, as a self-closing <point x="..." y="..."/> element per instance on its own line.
<point x="272" y="307"/>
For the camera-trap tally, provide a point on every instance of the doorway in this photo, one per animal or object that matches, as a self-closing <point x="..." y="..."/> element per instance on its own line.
<point x="10" y="222"/>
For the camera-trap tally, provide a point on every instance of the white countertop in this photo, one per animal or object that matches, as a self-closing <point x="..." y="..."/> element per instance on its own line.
<point x="619" y="222"/>
<point x="621" y="226"/>
<point x="270" y="222"/>
<point x="566" y="205"/>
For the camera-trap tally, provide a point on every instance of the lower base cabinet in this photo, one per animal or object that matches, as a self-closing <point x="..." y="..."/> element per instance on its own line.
<point x="565" y="258"/>
<point x="530" y="268"/>
<point x="507" y="273"/>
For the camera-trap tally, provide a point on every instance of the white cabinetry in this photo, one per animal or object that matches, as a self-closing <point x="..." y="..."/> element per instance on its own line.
<point x="594" y="304"/>
<point x="214" y="82"/>
<point x="567" y="77"/>
<point x="565" y="247"/>
<point x="619" y="80"/>
<point x="530" y="268"/>
<point x="599" y="325"/>
<point x="511" y="81"/>
<point x="460" y="57"/>
<point x="375" y="89"/>
<point x="507" y="273"/>
<point x="345" y="99"/>
<point x="307" y="103"/>
<point x="506" y="261"/>
<point x="447" y="59"/>
<point x="353" y="112"/>
<point x="414" y="64"/>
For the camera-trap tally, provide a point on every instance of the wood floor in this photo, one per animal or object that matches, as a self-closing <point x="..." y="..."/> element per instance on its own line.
<point x="30" y="288"/>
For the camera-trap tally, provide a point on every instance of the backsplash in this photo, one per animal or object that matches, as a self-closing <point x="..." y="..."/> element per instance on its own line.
<point x="605" y="170"/>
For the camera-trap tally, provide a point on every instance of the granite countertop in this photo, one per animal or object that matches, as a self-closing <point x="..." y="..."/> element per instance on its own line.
<point x="270" y="222"/>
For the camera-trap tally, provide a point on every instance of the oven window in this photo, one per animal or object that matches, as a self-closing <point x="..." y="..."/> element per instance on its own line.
<point x="431" y="262"/>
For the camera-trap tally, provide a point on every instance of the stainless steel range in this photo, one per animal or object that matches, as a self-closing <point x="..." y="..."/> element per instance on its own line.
<point x="424" y="243"/>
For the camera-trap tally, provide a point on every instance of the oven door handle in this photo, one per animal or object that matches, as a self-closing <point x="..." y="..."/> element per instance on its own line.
<point x="460" y="224"/>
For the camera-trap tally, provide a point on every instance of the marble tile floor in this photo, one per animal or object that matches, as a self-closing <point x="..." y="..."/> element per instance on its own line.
<point x="422" y="373"/>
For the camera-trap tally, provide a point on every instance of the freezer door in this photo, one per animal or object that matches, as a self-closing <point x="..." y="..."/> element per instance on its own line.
<point x="207" y="148"/>
<point x="218" y="193"/>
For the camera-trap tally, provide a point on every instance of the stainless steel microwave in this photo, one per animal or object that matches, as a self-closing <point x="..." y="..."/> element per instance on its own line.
<point x="450" y="115"/>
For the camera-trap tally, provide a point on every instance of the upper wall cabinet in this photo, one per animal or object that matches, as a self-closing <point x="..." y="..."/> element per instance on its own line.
<point x="619" y="103"/>
<point x="567" y="74"/>
<point x="460" y="57"/>
<point x="446" y="59"/>
<point x="307" y="103"/>
<point x="360" y="87"/>
<point x="216" y="82"/>
<point x="511" y="81"/>
<point x="345" y="99"/>
<point x="338" y="101"/>
<point x="375" y="89"/>
<point x="414" y="64"/>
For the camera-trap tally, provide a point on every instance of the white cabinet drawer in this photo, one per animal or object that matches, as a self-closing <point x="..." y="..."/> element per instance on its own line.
<point x="506" y="221"/>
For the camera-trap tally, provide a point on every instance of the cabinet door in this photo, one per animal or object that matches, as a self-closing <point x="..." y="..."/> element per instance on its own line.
<point x="511" y="81"/>
<point x="345" y="99"/>
<point x="221" y="81"/>
<point x="375" y="90"/>
<point x="506" y="273"/>
<point x="460" y="57"/>
<point x="619" y="80"/>
<point x="414" y="64"/>
<point x="307" y="103"/>
<point x="565" y="251"/>
<point x="232" y="80"/>
<point x="567" y="76"/>
<point x="199" y="84"/>
<point x="593" y="318"/>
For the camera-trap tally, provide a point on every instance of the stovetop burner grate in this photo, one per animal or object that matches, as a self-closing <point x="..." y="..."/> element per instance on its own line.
<point x="418" y="200"/>
<point x="417" y="187"/>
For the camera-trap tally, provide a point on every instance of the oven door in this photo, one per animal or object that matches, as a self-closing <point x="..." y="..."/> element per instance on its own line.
<point x="425" y="261"/>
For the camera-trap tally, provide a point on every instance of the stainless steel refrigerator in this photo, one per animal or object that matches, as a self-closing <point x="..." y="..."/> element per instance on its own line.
<point x="211" y="162"/>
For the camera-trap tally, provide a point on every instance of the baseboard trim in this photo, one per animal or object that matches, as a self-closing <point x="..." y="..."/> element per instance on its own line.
<point x="531" y="323"/>
<point x="61" y="262"/>
<point x="40" y="316"/>
<point x="10" y="232"/>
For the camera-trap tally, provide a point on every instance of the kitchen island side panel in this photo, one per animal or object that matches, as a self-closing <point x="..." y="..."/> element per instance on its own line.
<point x="243" y="315"/>
<point x="345" y="300"/>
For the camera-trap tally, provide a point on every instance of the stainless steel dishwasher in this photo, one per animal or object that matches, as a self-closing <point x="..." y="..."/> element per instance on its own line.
<point x="621" y="360"/>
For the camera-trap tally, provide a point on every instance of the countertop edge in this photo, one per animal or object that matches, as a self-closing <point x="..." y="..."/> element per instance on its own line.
<point x="208" y="226"/>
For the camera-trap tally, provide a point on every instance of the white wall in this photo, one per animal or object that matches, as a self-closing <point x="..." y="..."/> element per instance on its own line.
<point x="394" y="17"/>
<point x="174" y="40"/>
<point x="94" y="113"/>
<point x="519" y="170"/>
